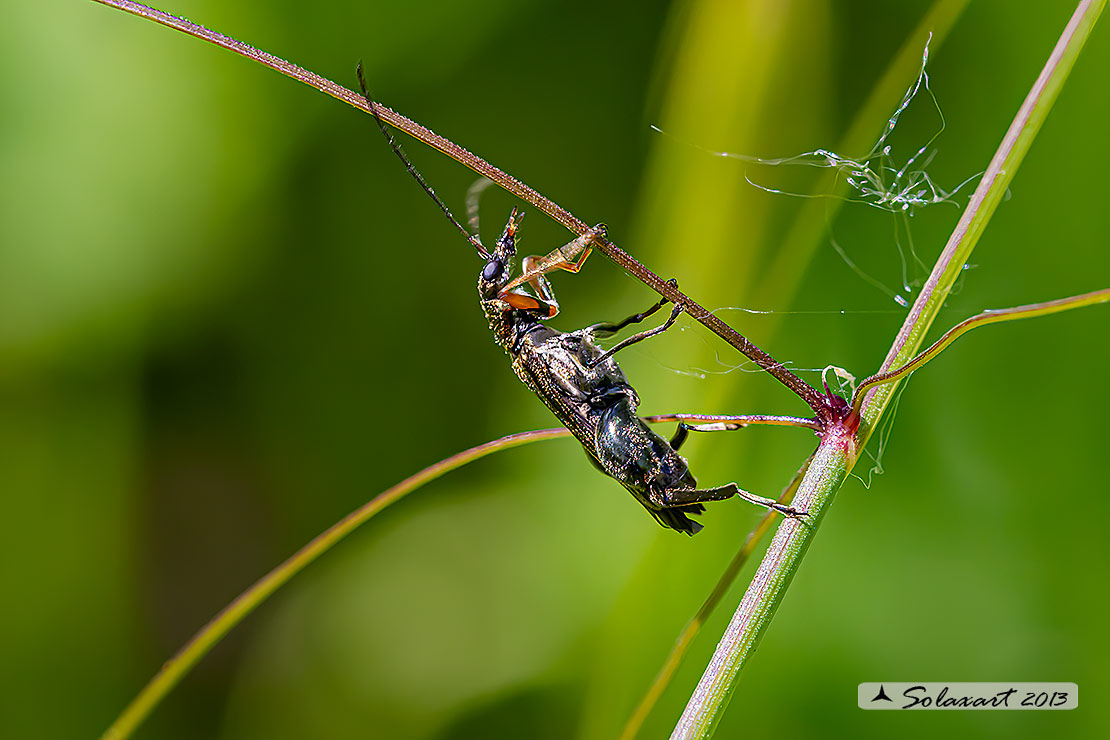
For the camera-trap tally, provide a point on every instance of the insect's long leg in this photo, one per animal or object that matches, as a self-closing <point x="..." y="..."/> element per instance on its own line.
<point x="570" y="257"/>
<point x="717" y="426"/>
<point x="540" y="285"/>
<point x="608" y="328"/>
<point x="730" y="425"/>
<point x="684" y="430"/>
<point x="680" y="436"/>
<point x="686" y="496"/>
<point x="638" y="337"/>
<point x="738" y="420"/>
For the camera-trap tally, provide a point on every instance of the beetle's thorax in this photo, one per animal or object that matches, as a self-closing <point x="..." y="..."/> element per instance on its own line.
<point x="507" y="324"/>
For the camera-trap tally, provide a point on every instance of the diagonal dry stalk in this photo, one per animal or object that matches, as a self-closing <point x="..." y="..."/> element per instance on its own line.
<point x="817" y="401"/>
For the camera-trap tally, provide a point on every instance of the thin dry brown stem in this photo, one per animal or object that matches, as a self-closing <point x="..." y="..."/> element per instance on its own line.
<point x="993" y="316"/>
<point x="816" y="400"/>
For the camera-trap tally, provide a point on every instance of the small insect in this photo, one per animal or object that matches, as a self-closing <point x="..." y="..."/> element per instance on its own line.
<point x="579" y="381"/>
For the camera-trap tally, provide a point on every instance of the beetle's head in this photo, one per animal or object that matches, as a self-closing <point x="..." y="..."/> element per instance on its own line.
<point x="497" y="272"/>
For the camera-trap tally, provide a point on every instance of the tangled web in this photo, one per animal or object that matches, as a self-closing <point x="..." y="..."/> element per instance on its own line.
<point x="876" y="179"/>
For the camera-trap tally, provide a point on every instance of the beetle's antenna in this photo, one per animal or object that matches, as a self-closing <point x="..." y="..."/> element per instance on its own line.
<point x="474" y="240"/>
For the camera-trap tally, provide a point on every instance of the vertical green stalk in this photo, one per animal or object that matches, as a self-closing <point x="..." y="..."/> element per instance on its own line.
<point x="837" y="452"/>
<point x="830" y="465"/>
<point x="690" y="630"/>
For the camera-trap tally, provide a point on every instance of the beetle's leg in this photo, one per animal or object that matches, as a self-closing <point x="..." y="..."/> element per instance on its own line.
<point x="570" y="257"/>
<point x="540" y="284"/>
<point x="680" y="436"/>
<point x="608" y="328"/>
<point x="684" y="430"/>
<point x="638" y="337"/>
<point x="720" y="422"/>
<point x="525" y="302"/>
<point x="543" y="301"/>
<point x="686" y="496"/>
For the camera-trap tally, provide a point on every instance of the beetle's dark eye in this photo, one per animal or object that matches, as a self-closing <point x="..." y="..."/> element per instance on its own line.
<point x="493" y="270"/>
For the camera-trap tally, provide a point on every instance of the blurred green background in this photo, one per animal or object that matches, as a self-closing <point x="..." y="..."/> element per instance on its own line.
<point x="228" y="317"/>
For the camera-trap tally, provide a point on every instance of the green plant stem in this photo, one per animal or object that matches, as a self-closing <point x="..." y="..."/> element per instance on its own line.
<point x="205" y="639"/>
<point x="837" y="452"/>
<point x="831" y="463"/>
<point x="796" y="249"/>
<point x="691" y="629"/>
